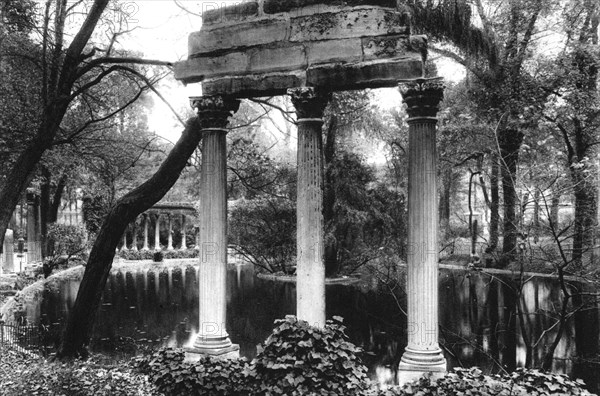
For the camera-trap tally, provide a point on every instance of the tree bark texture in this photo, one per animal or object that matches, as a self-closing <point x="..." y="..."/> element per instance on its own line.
<point x="494" y="205"/>
<point x="510" y="142"/>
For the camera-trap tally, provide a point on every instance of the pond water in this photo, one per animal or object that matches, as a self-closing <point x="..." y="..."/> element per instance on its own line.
<point x="479" y="325"/>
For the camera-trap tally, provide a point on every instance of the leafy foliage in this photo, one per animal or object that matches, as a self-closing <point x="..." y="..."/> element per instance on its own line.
<point x="174" y="376"/>
<point x="94" y="210"/>
<point x="296" y="359"/>
<point x="536" y="382"/>
<point x="263" y="232"/>
<point x="158" y="256"/>
<point x="69" y="242"/>
<point x="367" y="216"/>
<point x="473" y="382"/>
<point x="28" y="374"/>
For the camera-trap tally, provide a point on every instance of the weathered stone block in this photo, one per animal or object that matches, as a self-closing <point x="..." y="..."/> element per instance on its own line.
<point x="346" y="24"/>
<point x="197" y="69"/>
<point x="384" y="47"/>
<point x="238" y="36"/>
<point x="260" y="53"/>
<point x="233" y="13"/>
<point x="265" y="60"/>
<point x="364" y="75"/>
<point x="275" y="6"/>
<point x="253" y="86"/>
<point x="348" y="50"/>
<point x="359" y="75"/>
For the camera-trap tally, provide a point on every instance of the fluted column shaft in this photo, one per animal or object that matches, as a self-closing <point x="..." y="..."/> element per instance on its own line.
<point x="157" y="233"/>
<point x="213" y="339"/>
<point x="310" y="269"/>
<point x="422" y="353"/>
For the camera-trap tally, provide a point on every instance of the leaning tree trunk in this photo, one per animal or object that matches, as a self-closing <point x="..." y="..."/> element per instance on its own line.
<point x="585" y="216"/>
<point x="494" y="205"/>
<point x="510" y="142"/>
<point x="81" y="318"/>
<point x="49" y="205"/>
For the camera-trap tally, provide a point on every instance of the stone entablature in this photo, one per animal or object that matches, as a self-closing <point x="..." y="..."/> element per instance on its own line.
<point x="174" y="208"/>
<point x="264" y="47"/>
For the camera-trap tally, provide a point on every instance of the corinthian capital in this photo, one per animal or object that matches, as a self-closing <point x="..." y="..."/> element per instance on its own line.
<point x="308" y="101"/>
<point x="422" y="97"/>
<point x="214" y="111"/>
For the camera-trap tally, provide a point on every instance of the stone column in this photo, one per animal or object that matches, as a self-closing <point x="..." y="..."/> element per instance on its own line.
<point x="213" y="339"/>
<point x="134" y="236"/>
<point x="183" y="236"/>
<point x="146" y="245"/>
<point x="9" y="252"/>
<point x="157" y="233"/>
<point x="33" y="252"/>
<point x="310" y="270"/>
<point x="422" y="354"/>
<point x="124" y="247"/>
<point x="170" y="237"/>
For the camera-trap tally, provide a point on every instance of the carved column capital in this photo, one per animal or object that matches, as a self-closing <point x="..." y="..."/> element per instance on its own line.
<point x="422" y="97"/>
<point x="214" y="111"/>
<point x="309" y="102"/>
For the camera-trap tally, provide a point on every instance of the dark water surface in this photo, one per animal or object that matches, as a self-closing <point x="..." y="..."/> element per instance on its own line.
<point x="158" y="304"/>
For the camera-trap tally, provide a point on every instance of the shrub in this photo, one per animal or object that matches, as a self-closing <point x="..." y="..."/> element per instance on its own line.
<point x="157" y="257"/>
<point x="473" y="382"/>
<point x="29" y="374"/>
<point x="209" y="376"/>
<point x="264" y="232"/>
<point x="536" y="382"/>
<point x="298" y="359"/>
<point x="153" y="255"/>
<point x="180" y="254"/>
<point x="68" y="247"/>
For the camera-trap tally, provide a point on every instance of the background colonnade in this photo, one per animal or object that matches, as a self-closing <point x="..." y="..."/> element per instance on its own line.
<point x="145" y="233"/>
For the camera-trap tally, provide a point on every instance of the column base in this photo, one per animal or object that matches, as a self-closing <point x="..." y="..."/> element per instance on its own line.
<point x="415" y="364"/>
<point x="194" y="353"/>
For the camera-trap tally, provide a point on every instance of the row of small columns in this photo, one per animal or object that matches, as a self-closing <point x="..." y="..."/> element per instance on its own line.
<point x="422" y="96"/>
<point x="146" y="224"/>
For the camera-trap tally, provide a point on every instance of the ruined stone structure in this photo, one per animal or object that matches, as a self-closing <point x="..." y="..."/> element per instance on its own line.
<point x="307" y="49"/>
<point x="158" y="214"/>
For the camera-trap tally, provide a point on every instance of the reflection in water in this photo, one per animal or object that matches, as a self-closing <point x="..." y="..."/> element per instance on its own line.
<point x="478" y="321"/>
